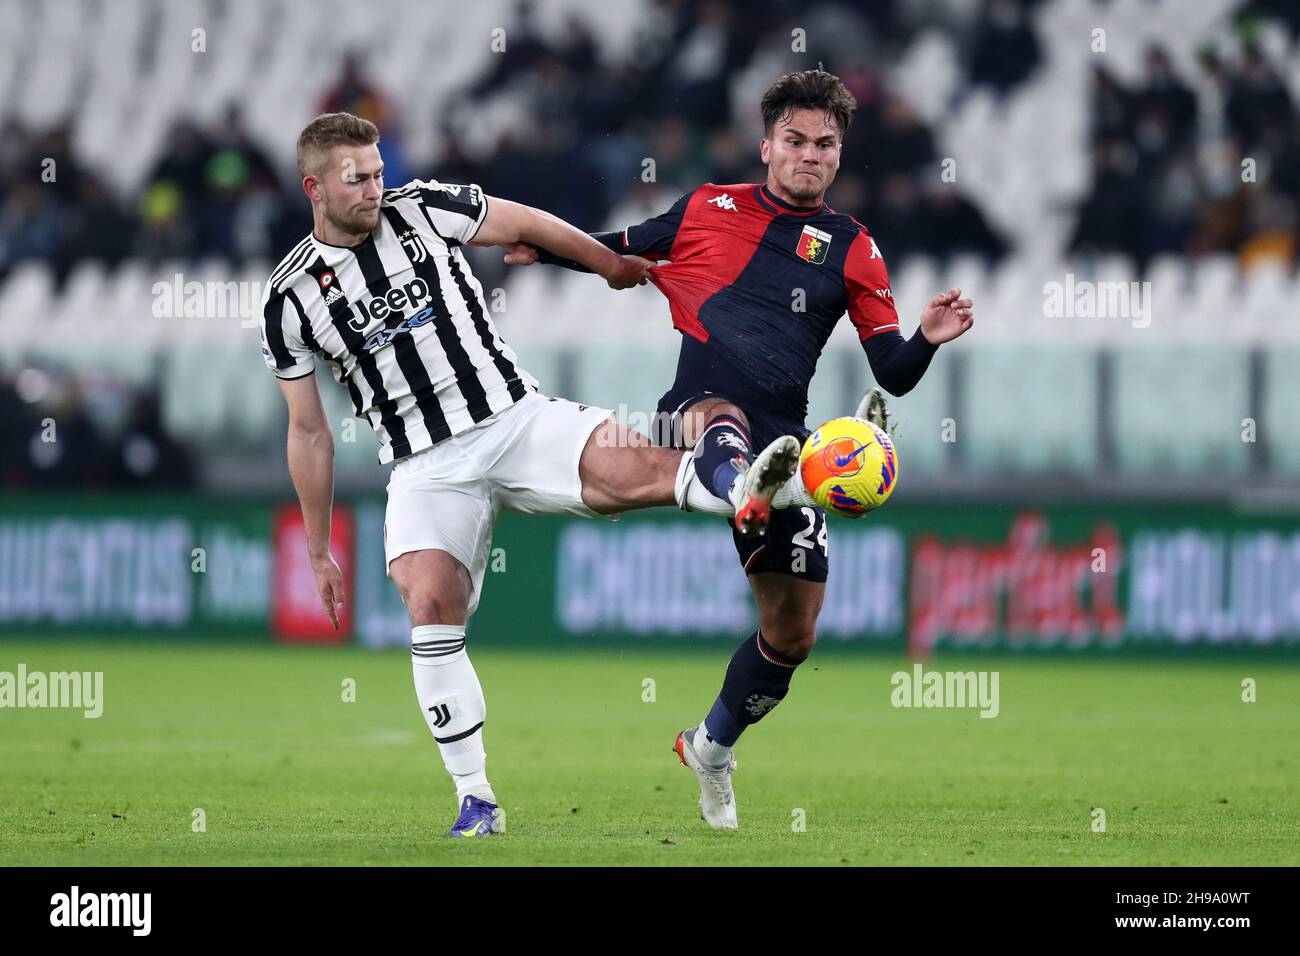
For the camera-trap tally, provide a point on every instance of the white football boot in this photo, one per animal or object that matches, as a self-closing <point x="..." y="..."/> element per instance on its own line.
<point x="771" y="469"/>
<point x="717" y="802"/>
<point x="873" y="409"/>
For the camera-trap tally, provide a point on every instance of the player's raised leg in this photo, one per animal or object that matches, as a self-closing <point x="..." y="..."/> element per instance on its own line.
<point x="621" y="470"/>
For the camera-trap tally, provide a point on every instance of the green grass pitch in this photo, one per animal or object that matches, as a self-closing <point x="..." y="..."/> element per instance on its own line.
<point x="286" y="772"/>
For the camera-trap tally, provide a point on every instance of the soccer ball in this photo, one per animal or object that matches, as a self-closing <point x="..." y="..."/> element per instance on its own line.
<point x="849" y="466"/>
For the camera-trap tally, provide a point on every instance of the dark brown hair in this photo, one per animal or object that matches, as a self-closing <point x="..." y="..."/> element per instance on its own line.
<point x="810" y="89"/>
<point x="333" y="129"/>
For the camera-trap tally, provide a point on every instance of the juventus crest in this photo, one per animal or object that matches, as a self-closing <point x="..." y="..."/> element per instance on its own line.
<point x="413" y="246"/>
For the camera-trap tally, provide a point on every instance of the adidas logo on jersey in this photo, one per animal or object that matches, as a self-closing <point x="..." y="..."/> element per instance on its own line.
<point x="724" y="202"/>
<point x="332" y="294"/>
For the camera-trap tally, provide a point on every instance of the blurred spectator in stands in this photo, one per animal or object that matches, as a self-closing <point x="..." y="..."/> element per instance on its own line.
<point x="1257" y="99"/>
<point x="900" y="142"/>
<point x="1111" y="106"/>
<point x="353" y="93"/>
<point x="60" y="445"/>
<point x="1005" y="49"/>
<point x="578" y="50"/>
<point x="892" y="217"/>
<point x="184" y="159"/>
<point x="14" y="422"/>
<point x="239" y="198"/>
<point x="165" y="230"/>
<point x="1272" y="234"/>
<point x="33" y="225"/>
<point x="521" y="47"/>
<point x="1110" y="218"/>
<point x="697" y="78"/>
<point x="1164" y="94"/>
<point x="954" y="224"/>
<point x="100" y="230"/>
<point x="231" y="135"/>
<point x="1175" y="199"/>
<point x="144" y="455"/>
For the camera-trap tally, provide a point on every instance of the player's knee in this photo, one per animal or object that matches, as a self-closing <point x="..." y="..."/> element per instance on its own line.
<point x="425" y="606"/>
<point x="697" y="418"/>
<point x="794" y="635"/>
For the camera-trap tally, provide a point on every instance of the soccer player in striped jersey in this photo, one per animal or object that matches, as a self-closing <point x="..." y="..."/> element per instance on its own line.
<point x="758" y="275"/>
<point x="381" y="291"/>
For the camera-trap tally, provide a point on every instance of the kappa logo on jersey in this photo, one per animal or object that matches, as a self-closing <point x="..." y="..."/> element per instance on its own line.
<point x="813" y="244"/>
<point x="414" y="246"/>
<point x="724" y="202"/>
<point x="875" y="249"/>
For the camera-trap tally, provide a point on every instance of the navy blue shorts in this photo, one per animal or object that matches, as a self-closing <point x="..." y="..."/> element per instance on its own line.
<point x="796" y="541"/>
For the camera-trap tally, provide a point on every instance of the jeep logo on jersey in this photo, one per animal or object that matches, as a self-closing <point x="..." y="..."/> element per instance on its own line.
<point x="385" y="336"/>
<point x="813" y="244"/>
<point x="414" y="246"/>
<point x="394" y="300"/>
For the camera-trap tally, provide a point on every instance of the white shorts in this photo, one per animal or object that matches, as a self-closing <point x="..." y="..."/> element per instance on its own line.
<point x="523" y="459"/>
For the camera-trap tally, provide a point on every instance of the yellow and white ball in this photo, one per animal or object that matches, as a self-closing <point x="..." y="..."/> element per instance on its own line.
<point x="849" y="466"/>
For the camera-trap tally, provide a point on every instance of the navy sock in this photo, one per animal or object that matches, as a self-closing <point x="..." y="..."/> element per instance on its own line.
<point x="758" y="678"/>
<point x="721" y="453"/>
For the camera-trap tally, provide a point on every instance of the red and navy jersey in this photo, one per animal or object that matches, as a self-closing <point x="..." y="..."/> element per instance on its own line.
<point x="756" y="285"/>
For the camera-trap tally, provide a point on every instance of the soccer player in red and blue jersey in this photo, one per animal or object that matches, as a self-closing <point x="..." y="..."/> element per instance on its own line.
<point x="756" y="277"/>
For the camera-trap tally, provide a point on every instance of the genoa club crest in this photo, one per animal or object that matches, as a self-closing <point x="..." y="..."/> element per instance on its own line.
<point x="813" y="244"/>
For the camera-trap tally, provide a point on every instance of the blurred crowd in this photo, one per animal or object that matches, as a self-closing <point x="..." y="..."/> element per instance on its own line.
<point x="1168" y="154"/>
<point x="582" y="127"/>
<point x="61" y="431"/>
<point x="1198" y="164"/>
<point x="1167" y="151"/>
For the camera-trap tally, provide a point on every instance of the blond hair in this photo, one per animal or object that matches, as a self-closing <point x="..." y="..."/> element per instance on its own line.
<point x="329" y="130"/>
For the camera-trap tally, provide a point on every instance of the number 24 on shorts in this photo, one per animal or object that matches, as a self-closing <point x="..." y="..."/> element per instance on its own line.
<point x="803" y="539"/>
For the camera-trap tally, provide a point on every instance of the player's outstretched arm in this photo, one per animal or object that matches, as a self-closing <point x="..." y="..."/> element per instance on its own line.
<point x="311" y="465"/>
<point x="898" y="363"/>
<point x="946" y="316"/>
<point x="509" y="223"/>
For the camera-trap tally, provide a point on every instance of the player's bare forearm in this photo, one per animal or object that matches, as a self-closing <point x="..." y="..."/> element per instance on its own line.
<point x="561" y="239"/>
<point x="509" y="223"/>
<point x="311" y="466"/>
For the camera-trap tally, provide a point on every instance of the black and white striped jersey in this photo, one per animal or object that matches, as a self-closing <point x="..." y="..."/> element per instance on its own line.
<point x="400" y="318"/>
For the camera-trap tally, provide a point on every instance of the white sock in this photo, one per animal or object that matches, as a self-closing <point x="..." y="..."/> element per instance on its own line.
<point x="691" y="494"/>
<point x="451" y="700"/>
<point x="711" y="752"/>
<point x="793" y="494"/>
